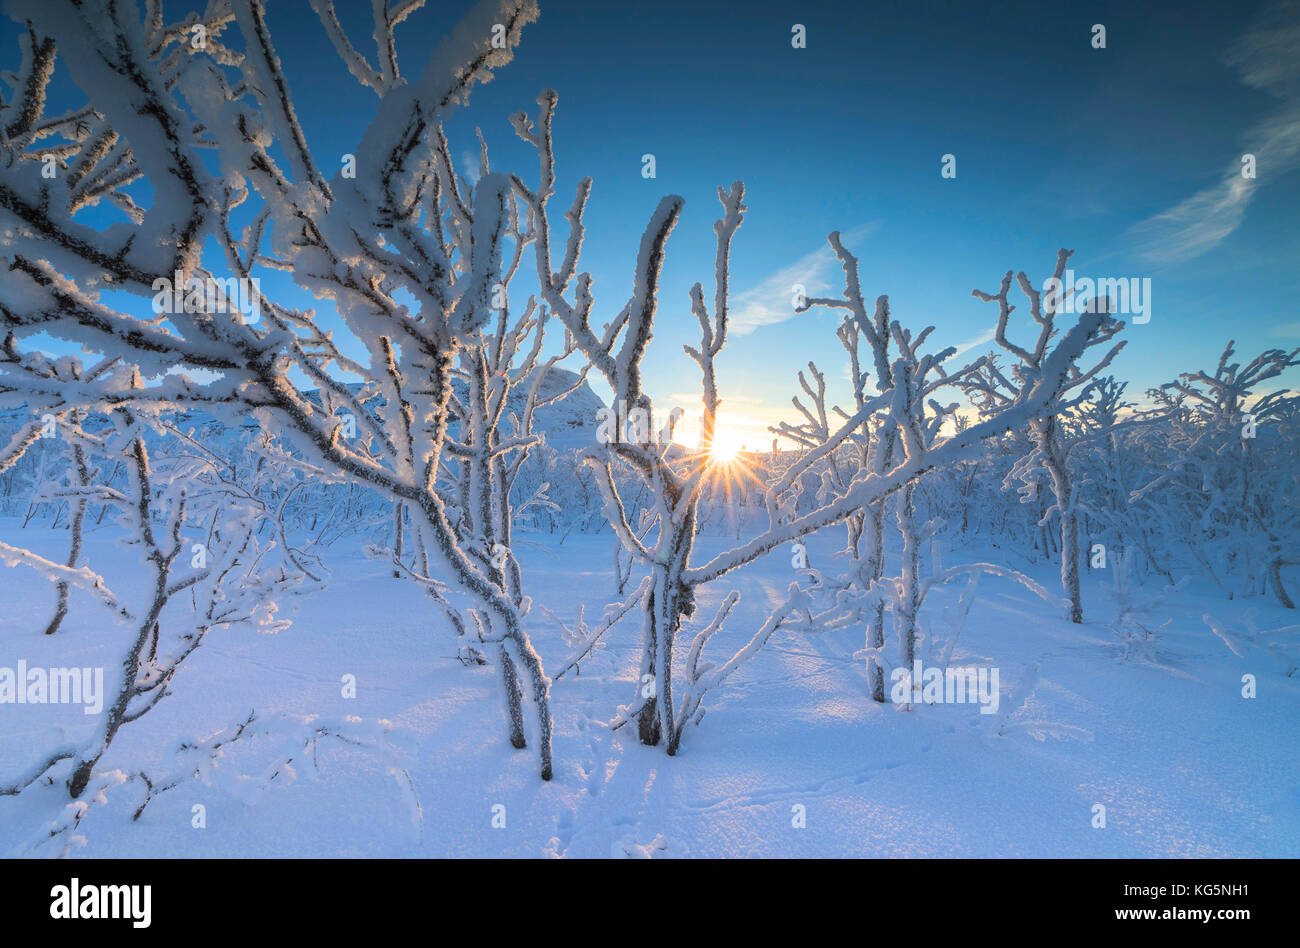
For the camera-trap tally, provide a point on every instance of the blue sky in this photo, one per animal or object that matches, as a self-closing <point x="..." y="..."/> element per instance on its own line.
<point x="1128" y="155"/>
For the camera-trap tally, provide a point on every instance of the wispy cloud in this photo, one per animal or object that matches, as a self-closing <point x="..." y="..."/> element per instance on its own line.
<point x="772" y="300"/>
<point x="1266" y="57"/>
<point x="981" y="339"/>
<point x="1287" y="330"/>
<point x="469" y="166"/>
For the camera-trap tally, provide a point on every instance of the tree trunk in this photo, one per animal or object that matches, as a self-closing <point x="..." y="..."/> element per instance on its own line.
<point x="1055" y="460"/>
<point x="1275" y="577"/>
<point x="875" y="567"/>
<point x="74" y="544"/>
<point x="647" y="719"/>
<point x="514" y="698"/>
<point x="911" y="574"/>
<point x="666" y="604"/>
<point x="1070" y="565"/>
<point x="398" y="509"/>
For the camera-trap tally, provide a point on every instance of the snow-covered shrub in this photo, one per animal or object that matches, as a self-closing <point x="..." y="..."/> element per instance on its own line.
<point x="993" y="389"/>
<point x="229" y="189"/>
<point x="1227" y="493"/>
<point x="675" y="480"/>
<point x="1283" y="643"/>
<point x="194" y="518"/>
<point x="1137" y="631"/>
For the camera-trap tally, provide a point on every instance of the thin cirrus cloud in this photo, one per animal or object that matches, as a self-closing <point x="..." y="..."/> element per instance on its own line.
<point x="1266" y="57"/>
<point x="470" y="166"/>
<point x="772" y="300"/>
<point x="980" y="340"/>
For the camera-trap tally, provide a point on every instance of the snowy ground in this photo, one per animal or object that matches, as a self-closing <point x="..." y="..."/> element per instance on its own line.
<point x="1184" y="765"/>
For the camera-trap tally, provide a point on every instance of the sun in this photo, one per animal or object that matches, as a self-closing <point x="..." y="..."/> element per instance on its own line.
<point x="726" y="447"/>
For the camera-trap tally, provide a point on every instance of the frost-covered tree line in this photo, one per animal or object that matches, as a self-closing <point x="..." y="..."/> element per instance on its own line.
<point x="1196" y="479"/>
<point x="232" y="446"/>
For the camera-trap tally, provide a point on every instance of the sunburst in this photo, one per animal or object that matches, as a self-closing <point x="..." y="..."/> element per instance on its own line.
<point x="726" y="448"/>
<point x="727" y="463"/>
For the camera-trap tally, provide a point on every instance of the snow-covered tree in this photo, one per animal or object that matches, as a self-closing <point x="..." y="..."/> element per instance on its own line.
<point x="906" y="420"/>
<point x="994" y="390"/>
<point x="195" y="520"/>
<point x="675" y="479"/>
<point x="1226" y="490"/>
<point x="413" y="267"/>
